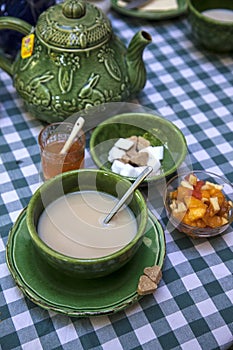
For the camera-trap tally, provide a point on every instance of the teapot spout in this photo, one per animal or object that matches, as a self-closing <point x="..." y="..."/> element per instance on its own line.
<point x="135" y="64"/>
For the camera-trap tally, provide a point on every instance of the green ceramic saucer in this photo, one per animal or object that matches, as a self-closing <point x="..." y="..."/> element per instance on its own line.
<point x="153" y="15"/>
<point x="78" y="297"/>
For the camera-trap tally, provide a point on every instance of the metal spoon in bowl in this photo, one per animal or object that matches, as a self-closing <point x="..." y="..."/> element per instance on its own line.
<point x="128" y="193"/>
<point x="88" y="240"/>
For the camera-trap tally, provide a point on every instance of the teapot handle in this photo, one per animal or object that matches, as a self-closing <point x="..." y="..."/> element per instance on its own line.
<point x="13" y="23"/>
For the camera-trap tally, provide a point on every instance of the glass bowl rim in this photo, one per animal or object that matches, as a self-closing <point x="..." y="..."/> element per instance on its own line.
<point x="194" y="230"/>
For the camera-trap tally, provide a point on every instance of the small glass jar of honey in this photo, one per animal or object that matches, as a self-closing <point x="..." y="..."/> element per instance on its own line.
<point x="51" y="141"/>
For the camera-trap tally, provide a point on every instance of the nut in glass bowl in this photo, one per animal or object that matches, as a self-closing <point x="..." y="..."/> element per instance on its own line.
<point x="199" y="203"/>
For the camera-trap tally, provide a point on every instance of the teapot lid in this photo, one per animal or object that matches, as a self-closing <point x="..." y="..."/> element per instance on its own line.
<point x="73" y="25"/>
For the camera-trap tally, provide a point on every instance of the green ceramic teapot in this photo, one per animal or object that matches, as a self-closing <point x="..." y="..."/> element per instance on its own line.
<point x="76" y="61"/>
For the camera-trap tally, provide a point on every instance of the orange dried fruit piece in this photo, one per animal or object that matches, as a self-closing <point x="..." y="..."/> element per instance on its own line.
<point x="196" y="208"/>
<point x="225" y="208"/>
<point x="197" y="223"/>
<point x="196" y="213"/>
<point x="186" y="220"/>
<point x="173" y="195"/>
<point x="215" y="221"/>
<point x="183" y="192"/>
<point x="218" y="194"/>
<point x="200" y="223"/>
<point x="205" y="194"/>
<point x="193" y="202"/>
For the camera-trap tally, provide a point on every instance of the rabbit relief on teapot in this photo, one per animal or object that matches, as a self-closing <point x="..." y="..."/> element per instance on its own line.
<point x="74" y="61"/>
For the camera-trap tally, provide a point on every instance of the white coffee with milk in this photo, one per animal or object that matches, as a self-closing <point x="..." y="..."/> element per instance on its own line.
<point x="218" y="14"/>
<point x="73" y="225"/>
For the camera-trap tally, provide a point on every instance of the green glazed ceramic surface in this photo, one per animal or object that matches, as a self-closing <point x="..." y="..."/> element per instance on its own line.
<point x="153" y="15"/>
<point x="76" y="63"/>
<point x="212" y="34"/>
<point x="79" y="297"/>
<point x="124" y="125"/>
<point x="81" y="180"/>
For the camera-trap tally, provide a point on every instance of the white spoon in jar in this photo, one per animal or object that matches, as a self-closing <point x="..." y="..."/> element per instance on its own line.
<point x="77" y="127"/>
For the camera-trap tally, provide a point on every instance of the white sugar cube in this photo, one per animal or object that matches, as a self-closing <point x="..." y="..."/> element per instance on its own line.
<point x="154" y="163"/>
<point x="138" y="170"/>
<point x="153" y="153"/>
<point x="117" y="166"/>
<point x="124" y="144"/>
<point x="156" y="152"/>
<point x="127" y="170"/>
<point x="115" y="153"/>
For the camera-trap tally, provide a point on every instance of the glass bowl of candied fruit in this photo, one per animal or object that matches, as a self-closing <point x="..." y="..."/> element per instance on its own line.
<point x="199" y="203"/>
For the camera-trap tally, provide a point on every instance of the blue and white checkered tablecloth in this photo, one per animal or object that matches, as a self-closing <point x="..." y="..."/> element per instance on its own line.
<point x="192" y="307"/>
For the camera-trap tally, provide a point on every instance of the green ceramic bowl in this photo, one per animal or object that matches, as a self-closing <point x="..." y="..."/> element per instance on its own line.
<point x="213" y="34"/>
<point x="85" y="179"/>
<point x="125" y="125"/>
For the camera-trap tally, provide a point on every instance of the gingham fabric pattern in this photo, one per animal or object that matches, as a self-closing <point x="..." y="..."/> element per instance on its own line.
<point x="192" y="307"/>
